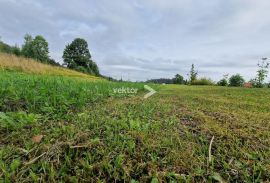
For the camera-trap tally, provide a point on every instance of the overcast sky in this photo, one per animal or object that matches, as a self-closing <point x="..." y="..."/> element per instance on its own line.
<point x="143" y="39"/>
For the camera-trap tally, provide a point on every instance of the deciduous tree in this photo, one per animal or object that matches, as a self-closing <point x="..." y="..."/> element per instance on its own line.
<point x="77" y="56"/>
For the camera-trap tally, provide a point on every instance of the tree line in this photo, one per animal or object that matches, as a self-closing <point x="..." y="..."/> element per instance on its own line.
<point x="76" y="55"/>
<point x="235" y="80"/>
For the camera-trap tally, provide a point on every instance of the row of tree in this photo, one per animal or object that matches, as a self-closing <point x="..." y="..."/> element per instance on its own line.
<point x="178" y="79"/>
<point x="76" y="55"/>
<point x="257" y="82"/>
<point x="235" y="80"/>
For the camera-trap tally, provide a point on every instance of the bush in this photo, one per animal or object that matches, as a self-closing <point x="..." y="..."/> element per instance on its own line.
<point x="236" y="80"/>
<point x="5" y="48"/>
<point x="203" y="81"/>
<point x="222" y="82"/>
<point x="81" y="69"/>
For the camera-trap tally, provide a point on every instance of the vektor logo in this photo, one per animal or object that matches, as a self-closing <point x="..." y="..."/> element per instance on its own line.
<point x="151" y="91"/>
<point x="125" y="90"/>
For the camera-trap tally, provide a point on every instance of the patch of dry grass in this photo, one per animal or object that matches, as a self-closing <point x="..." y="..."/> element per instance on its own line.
<point x="12" y="62"/>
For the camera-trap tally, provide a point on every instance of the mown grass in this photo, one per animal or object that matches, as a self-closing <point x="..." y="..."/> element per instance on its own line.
<point x="26" y="65"/>
<point x="164" y="138"/>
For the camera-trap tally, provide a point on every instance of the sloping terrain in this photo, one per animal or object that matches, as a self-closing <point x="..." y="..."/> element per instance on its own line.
<point x="21" y="64"/>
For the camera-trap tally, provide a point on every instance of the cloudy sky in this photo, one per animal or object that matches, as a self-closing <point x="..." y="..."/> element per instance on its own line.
<point x="143" y="39"/>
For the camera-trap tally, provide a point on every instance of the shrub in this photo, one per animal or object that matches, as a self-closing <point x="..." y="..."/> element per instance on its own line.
<point x="222" y="82"/>
<point x="81" y="69"/>
<point x="203" y="81"/>
<point x="236" y="80"/>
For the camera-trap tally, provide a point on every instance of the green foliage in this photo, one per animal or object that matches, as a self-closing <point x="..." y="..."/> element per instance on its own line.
<point x="258" y="82"/>
<point x="15" y="165"/>
<point x="77" y="56"/>
<point x="223" y="81"/>
<point x="16" y="50"/>
<point x="203" y="81"/>
<point x="236" y="80"/>
<point x="154" y="180"/>
<point x="193" y="74"/>
<point x="178" y="79"/>
<point x="40" y="49"/>
<point x="36" y="48"/>
<point x="53" y="62"/>
<point x="129" y="139"/>
<point x="16" y="120"/>
<point x="27" y="50"/>
<point x="51" y="95"/>
<point x="5" y="48"/>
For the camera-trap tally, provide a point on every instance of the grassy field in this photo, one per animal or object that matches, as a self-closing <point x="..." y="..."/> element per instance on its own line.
<point x="70" y="129"/>
<point x="21" y="64"/>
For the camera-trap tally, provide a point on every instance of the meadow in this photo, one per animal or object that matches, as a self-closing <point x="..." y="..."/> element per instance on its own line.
<point x="30" y="66"/>
<point x="57" y="128"/>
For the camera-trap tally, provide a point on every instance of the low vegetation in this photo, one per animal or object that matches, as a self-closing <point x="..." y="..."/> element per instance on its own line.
<point x="60" y="125"/>
<point x="53" y="96"/>
<point x="203" y="81"/>
<point x="26" y="65"/>
<point x="69" y="129"/>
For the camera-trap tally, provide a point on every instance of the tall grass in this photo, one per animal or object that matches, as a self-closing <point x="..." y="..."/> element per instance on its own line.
<point x="51" y="95"/>
<point x="12" y="62"/>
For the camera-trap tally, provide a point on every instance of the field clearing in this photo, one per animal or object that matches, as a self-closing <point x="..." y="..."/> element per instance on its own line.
<point x="21" y="64"/>
<point x="165" y="137"/>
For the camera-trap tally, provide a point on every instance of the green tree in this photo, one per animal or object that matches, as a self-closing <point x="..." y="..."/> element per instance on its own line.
<point x="40" y="49"/>
<point x="178" y="79"/>
<point x="16" y="50"/>
<point x="5" y="47"/>
<point x="27" y="46"/>
<point x="9" y="49"/>
<point x="36" y="48"/>
<point x="193" y="74"/>
<point x="223" y="81"/>
<point x="77" y="56"/>
<point x="261" y="73"/>
<point x="236" y="80"/>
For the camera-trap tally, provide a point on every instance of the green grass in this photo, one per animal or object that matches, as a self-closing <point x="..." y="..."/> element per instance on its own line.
<point x="52" y="96"/>
<point x="93" y="136"/>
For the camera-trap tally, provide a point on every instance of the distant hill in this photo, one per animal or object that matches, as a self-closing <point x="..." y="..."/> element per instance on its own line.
<point x="160" y="81"/>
